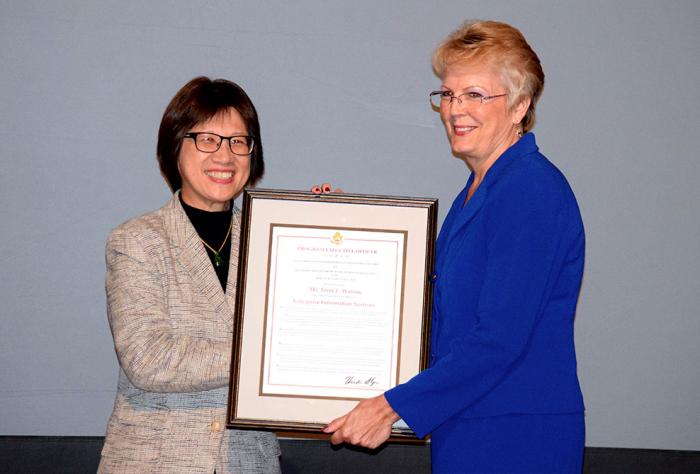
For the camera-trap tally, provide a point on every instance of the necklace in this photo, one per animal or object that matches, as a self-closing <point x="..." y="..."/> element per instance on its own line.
<point x="218" y="259"/>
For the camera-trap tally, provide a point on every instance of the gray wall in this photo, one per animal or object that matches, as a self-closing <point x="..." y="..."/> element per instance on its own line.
<point x="341" y="89"/>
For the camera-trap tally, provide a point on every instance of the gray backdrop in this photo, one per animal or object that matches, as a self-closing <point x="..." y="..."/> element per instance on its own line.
<point x="341" y="88"/>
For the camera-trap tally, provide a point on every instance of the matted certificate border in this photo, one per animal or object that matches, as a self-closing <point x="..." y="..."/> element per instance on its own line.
<point x="329" y="244"/>
<point x="262" y="208"/>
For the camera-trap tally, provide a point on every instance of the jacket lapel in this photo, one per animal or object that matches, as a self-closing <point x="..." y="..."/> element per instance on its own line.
<point x="471" y="209"/>
<point x="232" y="279"/>
<point x="466" y="214"/>
<point x="193" y="257"/>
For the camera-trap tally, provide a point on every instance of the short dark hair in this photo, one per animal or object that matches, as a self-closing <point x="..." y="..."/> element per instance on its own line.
<point x="198" y="101"/>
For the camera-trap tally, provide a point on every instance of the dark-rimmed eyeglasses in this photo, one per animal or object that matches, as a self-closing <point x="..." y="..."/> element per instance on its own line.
<point x="207" y="142"/>
<point x="440" y="98"/>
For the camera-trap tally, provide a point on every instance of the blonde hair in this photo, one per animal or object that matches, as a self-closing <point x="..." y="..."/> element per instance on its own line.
<point x="505" y="49"/>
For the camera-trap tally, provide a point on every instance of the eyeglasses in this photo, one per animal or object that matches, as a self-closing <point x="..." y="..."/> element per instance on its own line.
<point x="440" y="98"/>
<point x="211" y="142"/>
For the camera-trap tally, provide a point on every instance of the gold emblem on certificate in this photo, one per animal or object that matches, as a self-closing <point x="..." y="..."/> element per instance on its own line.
<point x="337" y="238"/>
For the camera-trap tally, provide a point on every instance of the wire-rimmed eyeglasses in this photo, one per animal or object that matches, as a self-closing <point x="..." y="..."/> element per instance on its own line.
<point x="440" y="98"/>
<point x="207" y="142"/>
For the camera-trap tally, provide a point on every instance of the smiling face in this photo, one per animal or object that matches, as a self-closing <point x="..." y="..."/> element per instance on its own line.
<point x="211" y="180"/>
<point x="479" y="133"/>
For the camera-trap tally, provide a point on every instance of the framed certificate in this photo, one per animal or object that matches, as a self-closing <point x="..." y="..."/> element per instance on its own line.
<point x="332" y="305"/>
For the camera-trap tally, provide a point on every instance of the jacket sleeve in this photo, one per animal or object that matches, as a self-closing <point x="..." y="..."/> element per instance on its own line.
<point x="524" y="236"/>
<point x="152" y="356"/>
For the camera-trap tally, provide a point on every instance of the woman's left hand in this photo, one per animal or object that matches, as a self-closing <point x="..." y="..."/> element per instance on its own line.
<point x="325" y="188"/>
<point x="367" y="425"/>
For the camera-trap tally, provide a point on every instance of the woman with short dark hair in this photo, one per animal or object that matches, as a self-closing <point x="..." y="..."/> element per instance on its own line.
<point x="171" y="281"/>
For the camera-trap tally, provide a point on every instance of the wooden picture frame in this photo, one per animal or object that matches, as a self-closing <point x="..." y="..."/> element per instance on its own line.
<point x="333" y="305"/>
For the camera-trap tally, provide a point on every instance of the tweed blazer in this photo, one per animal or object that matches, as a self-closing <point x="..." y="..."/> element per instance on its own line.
<point x="172" y="327"/>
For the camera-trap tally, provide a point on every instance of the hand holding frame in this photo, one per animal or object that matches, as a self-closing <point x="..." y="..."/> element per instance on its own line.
<point x="367" y="425"/>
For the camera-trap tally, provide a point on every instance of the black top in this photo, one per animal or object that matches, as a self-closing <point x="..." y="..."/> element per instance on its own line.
<point x="212" y="228"/>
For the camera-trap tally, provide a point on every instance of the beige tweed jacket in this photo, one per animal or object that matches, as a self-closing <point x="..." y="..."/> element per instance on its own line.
<point x="172" y="327"/>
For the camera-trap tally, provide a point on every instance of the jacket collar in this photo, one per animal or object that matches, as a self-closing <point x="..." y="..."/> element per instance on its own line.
<point x="518" y="150"/>
<point x="189" y="251"/>
<point x="463" y="214"/>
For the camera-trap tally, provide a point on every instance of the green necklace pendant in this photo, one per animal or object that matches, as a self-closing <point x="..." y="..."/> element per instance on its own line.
<point x="218" y="259"/>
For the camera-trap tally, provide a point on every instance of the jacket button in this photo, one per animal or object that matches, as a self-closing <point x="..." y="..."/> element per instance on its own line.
<point x="433" y="277"/>
<point x="215" y="426"/>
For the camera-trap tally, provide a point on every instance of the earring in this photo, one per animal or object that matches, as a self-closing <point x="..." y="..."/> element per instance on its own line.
<point x="519" y="131"/>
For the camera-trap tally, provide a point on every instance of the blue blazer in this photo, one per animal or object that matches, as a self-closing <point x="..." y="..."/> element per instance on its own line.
<point x="508" y="272"/>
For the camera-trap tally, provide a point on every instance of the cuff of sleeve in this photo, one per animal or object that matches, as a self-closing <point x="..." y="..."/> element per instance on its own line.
<point x="410" y="413"/>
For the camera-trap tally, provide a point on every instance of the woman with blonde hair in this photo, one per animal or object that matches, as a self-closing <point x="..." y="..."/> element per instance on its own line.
<point x="501" y="394"/>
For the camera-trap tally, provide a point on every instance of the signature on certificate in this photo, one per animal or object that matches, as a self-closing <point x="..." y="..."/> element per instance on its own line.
<point x="369" y="382"/>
